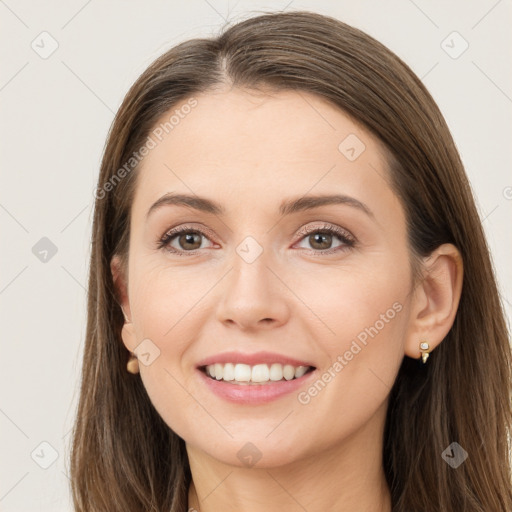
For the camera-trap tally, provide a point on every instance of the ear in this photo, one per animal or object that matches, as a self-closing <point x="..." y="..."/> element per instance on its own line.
<point x="119" y="277"/>
<point x="435" y="300"/>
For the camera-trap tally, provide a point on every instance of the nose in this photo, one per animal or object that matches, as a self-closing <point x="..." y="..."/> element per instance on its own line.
<point x="253" y="296"/>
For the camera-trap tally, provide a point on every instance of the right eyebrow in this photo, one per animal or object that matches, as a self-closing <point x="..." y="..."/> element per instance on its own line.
<point x="192" y="201"/>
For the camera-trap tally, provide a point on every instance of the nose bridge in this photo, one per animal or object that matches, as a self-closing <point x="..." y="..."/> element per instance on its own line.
<point x="253" y="293"/>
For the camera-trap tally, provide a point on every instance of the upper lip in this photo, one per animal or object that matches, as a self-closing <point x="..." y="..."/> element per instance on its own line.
<point x="251" y="359"/>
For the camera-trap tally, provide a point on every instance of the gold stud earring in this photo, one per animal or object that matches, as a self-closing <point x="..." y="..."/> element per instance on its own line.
<point x="424" y="349"/>
<point x="133" y="364"/>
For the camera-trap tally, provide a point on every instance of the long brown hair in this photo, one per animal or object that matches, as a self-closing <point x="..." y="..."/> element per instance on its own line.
<point x="125" y="458"/>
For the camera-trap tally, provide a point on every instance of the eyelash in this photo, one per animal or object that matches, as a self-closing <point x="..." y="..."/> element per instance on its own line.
<point x="327" y="229"/>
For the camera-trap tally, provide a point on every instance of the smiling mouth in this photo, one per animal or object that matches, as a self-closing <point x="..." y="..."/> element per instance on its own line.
<point x="244" y="374"/>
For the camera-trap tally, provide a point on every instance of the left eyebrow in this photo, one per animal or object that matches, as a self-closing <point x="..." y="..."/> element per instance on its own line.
<point x="287" y="207"/>
<point x="309" y="202"/>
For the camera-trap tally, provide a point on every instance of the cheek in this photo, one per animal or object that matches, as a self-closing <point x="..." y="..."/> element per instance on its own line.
<point x="161" y="300"/>
<point x="370" y="307"/>
<point x="363" y="299"/>
<point x="363" y="305"/>
<point x="365" y="313"/>
<point x="165" y="305"/>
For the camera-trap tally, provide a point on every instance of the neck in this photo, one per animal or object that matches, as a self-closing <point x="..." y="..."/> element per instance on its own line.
<point x="347" y="477"/>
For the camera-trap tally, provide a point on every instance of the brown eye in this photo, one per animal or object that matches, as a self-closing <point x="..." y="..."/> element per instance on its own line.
<point x="320" y="241"/>
<point x="326" y="239"/>
<point x="190" y="241"/>
<point x="182" y="240"/>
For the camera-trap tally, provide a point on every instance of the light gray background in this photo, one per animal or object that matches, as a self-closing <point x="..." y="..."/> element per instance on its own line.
<point x="55" y="116"/>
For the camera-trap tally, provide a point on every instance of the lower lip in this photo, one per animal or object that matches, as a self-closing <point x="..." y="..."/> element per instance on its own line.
<point x="254" y="394"/>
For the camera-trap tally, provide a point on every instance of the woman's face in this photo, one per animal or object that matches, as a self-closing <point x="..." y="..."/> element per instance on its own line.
<point x="257" y="284"/>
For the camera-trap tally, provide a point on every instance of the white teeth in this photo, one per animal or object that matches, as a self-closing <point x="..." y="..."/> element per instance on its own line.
<point x="228" y="372"/>
<point x="288" y="372"/>
<point x="300" y="371"/>
<point x="260" y="373"/>
<point x="242" y="372"/>
<point x="257" y="374"/>
<point x="276" y="372"/>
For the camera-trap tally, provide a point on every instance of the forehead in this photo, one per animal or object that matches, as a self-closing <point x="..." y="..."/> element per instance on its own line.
<point x="237" y="143"/>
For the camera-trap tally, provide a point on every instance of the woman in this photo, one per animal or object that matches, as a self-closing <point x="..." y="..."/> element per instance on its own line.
<point x="291" y="300"/>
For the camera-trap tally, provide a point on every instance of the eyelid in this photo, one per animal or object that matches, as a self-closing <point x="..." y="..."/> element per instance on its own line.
<point x="327" y="227"/>
<point x="202" y="229"/>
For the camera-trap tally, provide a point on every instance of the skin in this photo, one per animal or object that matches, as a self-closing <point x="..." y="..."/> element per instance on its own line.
<point x="249" y="151"/>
